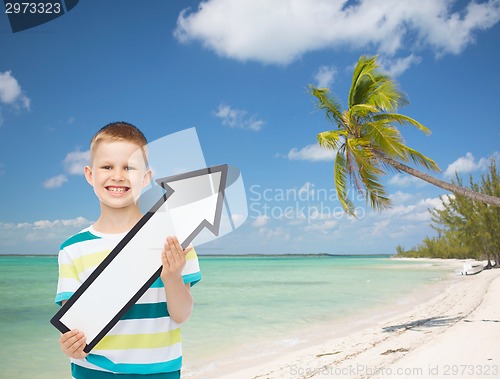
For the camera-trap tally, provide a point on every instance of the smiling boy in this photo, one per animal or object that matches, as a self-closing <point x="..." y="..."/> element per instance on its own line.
<point x="146" y="342"/>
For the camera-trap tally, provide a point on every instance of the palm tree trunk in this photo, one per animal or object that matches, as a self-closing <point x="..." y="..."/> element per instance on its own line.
<point x="488" y="265"/>
<point x="476" y="196"/>
<point x="497" y="259"/>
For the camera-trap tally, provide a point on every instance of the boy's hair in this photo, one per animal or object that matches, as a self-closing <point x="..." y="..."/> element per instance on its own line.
<point x="119" y="131"/>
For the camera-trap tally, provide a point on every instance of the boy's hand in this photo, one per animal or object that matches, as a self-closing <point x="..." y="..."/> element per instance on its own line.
<point x="72" y="344"/>
<point x="173" y="258"/>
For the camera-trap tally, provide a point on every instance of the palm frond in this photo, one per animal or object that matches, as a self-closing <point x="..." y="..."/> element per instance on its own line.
<point x="331" y="139"/>
<point x="365" y="66"/>
<point x="367" y="175"/>
<point x="362" y="111"/>
<point x="422" y="160"/>
<point x="386" y="95"/>
<point x="329" y="104"/>
<point x="372" y="86"/>
<point x="385" y="138"/>
<point x="350" y="161"/>
<point x="375" y="191"/>
<point x="367" y="172"/>
<point x="340" y="176"/>
<point x="362" y="153"/>
<point x="402" y="120"/>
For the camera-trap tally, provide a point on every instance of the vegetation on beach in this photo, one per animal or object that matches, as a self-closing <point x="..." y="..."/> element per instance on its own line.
<point x="466" y="228"/>
<point x="367" y="140"/>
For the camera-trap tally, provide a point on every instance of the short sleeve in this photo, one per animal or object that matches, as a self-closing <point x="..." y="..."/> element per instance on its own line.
<point x="68" y="281"/>
<point x="191" y="273"/>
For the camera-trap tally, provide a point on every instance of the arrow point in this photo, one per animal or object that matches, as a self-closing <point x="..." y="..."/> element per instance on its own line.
<point x="195" y="200"/>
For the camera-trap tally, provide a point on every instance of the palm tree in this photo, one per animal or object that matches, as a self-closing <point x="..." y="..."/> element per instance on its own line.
<point x="367" y="141"/>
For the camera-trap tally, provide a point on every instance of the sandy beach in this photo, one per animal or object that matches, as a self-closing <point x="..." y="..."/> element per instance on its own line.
<point x="455" y="333"/>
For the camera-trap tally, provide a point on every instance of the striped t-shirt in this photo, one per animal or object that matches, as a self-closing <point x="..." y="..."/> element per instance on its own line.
<point x="145" y="340"/>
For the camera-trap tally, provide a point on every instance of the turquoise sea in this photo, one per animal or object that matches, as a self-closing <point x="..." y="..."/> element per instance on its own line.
<point x="247" y="303"/>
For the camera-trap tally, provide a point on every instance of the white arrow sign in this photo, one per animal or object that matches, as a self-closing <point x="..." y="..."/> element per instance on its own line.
<point x="192" y="202"/>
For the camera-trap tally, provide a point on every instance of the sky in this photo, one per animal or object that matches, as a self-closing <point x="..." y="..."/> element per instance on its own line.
<point x="238" y="71"/>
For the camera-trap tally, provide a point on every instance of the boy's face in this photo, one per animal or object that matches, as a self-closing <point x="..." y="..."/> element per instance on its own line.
<point x="118" y="174"/>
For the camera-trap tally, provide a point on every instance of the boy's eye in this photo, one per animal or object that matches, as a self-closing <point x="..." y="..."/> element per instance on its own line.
<point x="106" y="167"/>
<point x="129" y="168"/>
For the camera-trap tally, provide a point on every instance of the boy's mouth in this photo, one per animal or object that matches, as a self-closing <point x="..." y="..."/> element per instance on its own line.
<point x="117" y="189"/>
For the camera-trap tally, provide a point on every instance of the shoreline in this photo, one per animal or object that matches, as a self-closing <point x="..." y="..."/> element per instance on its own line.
<point x="373" y="344"/>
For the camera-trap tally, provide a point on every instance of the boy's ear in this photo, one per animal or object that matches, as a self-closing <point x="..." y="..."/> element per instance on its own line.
<point x="147" y="178"/>
<point x="88" y="175"/>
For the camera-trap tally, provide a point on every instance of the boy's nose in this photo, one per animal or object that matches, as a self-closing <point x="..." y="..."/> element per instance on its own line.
<point x="118" y="175"/>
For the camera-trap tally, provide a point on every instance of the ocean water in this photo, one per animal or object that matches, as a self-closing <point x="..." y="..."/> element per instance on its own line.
<point x="242" y="303"/>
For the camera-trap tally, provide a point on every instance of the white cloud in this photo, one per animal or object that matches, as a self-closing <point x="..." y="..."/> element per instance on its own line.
<point x="38" y="237"/>
<point x="468" y="164"/>
<point x="45" y="224"/>
<point x="75" y="161"/>
<point x="406" y="180"/>
<point x="418" y="211"/>
<point x="288" y="29"/>
<point x="11" y="92"/>
<point x="431" y="203"/>
<point x="380" y="227"/>
<point x="260" y="221"/>
<point x="55" y="181"/>
<point x="276" y="233"/>
<point x="325" y="76"/>
<point x="238" y="118"/>
<point x="401" y="224"/>
<point x="397" y="66"/>
<point x="306" y="191"/>
<point x="400" y="197"/>
<point x="48" y="224"/>
<point x="313" y="153"/>
<point x="324" y="227"/>
<point x="451" y="33"/>
<point x="396" y="225"/>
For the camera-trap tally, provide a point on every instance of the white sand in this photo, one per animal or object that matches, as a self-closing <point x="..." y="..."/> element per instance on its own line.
<point x="454" y="334"/>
